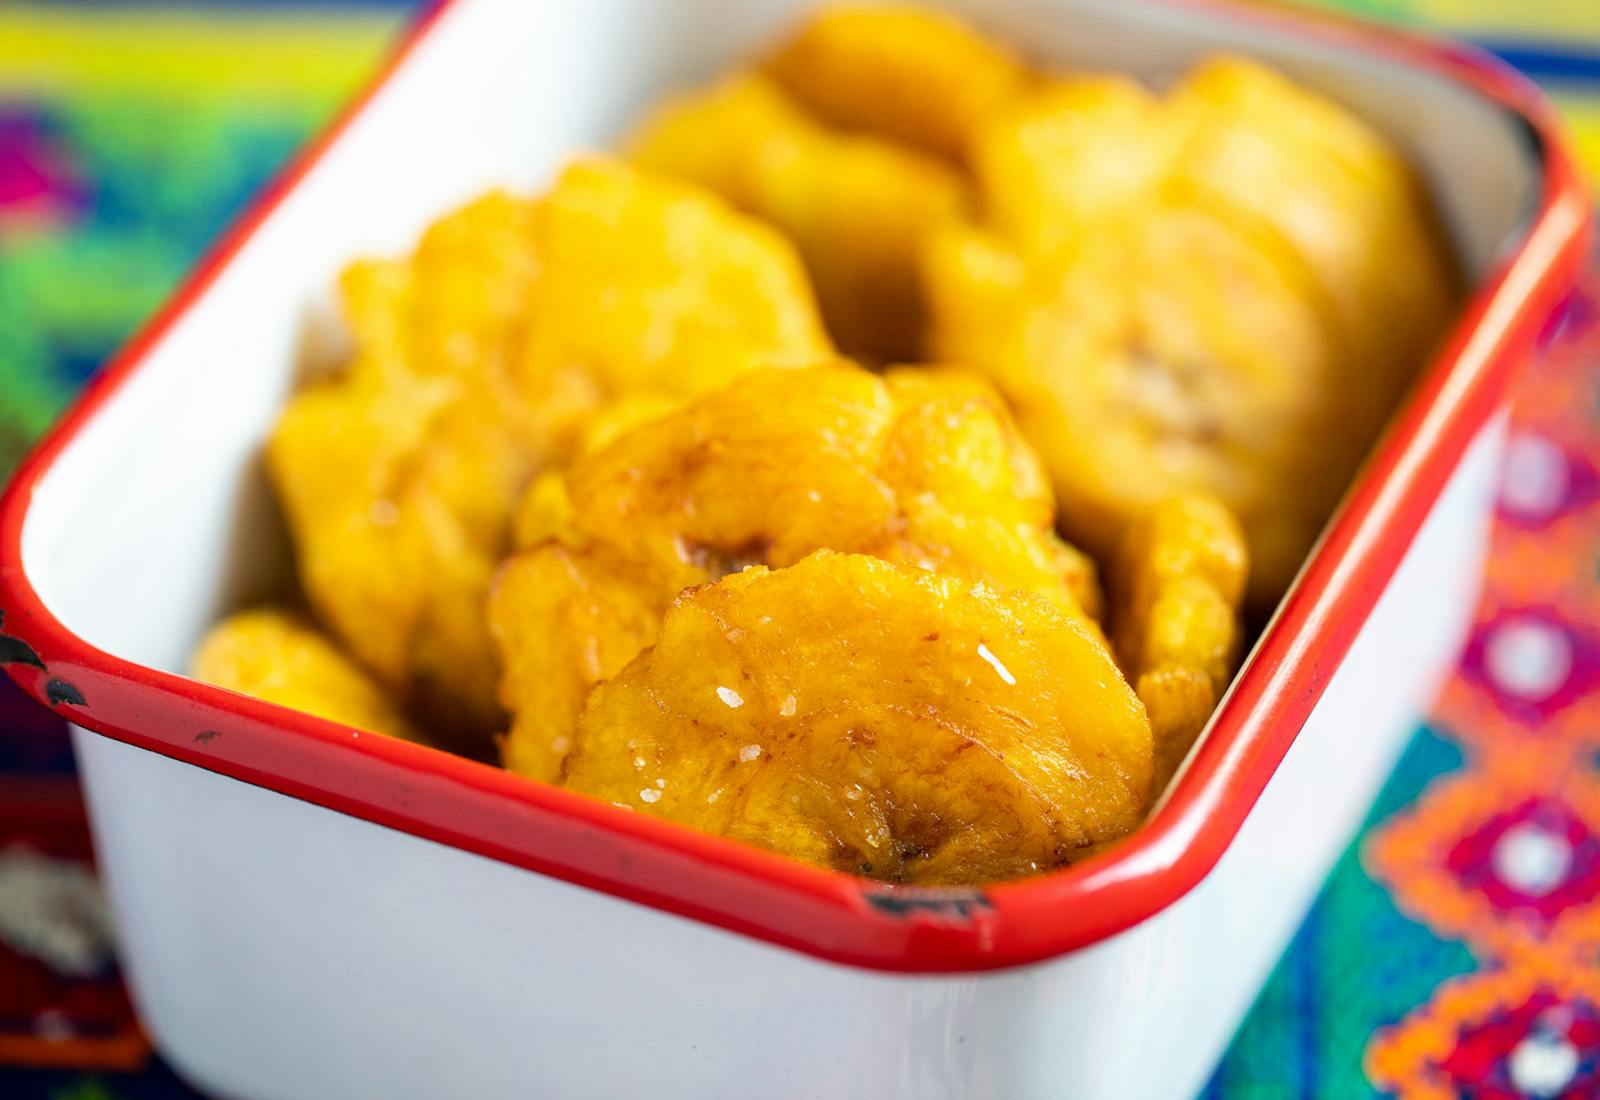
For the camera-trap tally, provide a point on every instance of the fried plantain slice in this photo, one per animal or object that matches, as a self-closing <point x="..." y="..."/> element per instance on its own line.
<point x="906" y="73"/>
<point x="477" y="361"/>
<point x="856" y="207"/>
<point x="1052" y="163"/>
<point x="1257" y="146"/>
<point x="1164" y="353"/>
<point x="922" y="467"/>
<point x="876" y="719"/>
<point x="1179" y="578"/>
<point x="279" y="656"/>
<point x="654" y="284"/>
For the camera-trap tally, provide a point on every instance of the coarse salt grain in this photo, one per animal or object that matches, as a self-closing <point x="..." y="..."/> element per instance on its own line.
<point x="994" y="662"/>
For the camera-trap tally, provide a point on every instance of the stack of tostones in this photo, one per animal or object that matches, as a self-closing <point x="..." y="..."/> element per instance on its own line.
<point x="594" y="479"/>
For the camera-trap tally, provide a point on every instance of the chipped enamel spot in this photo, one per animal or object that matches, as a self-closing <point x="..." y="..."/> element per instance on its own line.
<point x="650" y="794"/>
<point x="749" y="753"/>
<point x="730" y="697"/>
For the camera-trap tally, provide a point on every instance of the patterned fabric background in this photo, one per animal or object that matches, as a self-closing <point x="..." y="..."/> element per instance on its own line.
<point x="1452" y="951"/>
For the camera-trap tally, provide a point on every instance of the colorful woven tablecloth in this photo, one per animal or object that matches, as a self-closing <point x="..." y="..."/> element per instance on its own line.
<point x="1452" y="952"/>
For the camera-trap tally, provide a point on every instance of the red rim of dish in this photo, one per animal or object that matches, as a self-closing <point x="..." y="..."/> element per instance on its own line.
<point x="830" y="915"/>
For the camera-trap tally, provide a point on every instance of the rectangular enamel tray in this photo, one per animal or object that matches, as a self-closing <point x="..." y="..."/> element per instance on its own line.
<point x="309" y="911"/>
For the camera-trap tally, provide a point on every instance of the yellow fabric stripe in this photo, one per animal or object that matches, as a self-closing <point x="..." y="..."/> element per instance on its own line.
<point x="1559" y="21"/>
<point x="1582" y="116"/>
<point x="310" y="56"/>
<point x="1555" y="21"/>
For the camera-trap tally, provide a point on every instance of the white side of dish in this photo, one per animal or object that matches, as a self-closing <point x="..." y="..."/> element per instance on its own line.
<point x="278" y="949"/>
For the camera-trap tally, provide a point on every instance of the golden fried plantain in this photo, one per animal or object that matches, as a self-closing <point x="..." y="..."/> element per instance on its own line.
<point x="1163" y="353"/>
<point x="653" y="284"/>
<point x="393" y="492"/>
<point x="476" y="363"/>
<point x="1050" y="164"/>
<point x="875" y="719"/>
<point x="856" y="207"/>
<point x="909" y="74"/>
<point x="923" y="467"/>
<point x="1185" y="295"/>
<point x="1260" y="148"/>
<point x="279" y="656"/>
<point x="1178" y="579"/>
